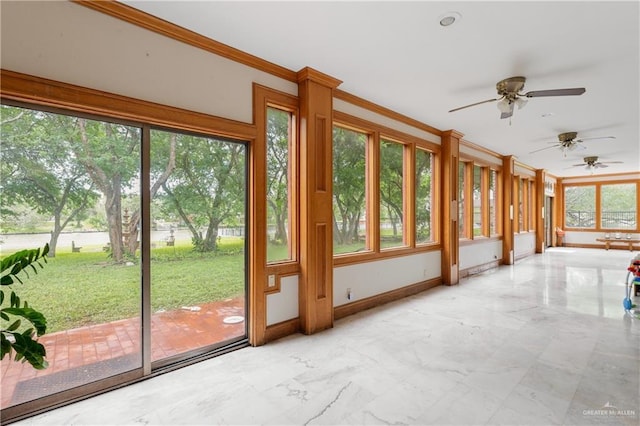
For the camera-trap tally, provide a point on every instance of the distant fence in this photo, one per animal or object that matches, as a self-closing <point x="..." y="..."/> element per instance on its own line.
<point x="609" y="219"/>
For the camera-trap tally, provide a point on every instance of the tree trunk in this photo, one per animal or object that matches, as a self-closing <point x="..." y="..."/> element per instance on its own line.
<point x="281" y="229"/>
<point x="113" y="209"/>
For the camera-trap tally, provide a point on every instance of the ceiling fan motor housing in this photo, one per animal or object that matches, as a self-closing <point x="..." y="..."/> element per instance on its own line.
<point x="510" y="87"/>
<point x="568" y="136"/>
<point x="590" y="160"/>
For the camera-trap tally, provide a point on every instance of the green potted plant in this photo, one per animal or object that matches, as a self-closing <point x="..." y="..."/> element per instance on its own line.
<point x="21" y="324"/>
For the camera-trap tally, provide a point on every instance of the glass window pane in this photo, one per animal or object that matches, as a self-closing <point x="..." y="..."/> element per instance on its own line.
<point x="73" y="183"/>
<point x="391" y="194"/>
<point x="580" y="206"/>
<point x="477" y="200"/>
<point x="198" y="190"/>
<point x="349" y="191"/>
<point x="493" y="212"/>
<point x="461" y="201"/>
<point x="278" y="185"/>
<point x="423" y="196"/>
<point x="618" y="204"/>
<point x="521" y="194"/>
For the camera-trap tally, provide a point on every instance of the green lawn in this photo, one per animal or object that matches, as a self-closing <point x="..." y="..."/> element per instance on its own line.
<point x="78" y="289"/>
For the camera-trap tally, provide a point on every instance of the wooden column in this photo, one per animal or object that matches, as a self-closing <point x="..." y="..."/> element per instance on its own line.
<point x="538" y="209"/>
<point x="315" y="91"/>
<point x="508" y="164"/>
<point x="450" y="155"/>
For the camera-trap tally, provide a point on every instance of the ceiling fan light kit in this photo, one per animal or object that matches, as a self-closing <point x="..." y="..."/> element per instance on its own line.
<point x="591" y="163"/>
<point x="510" y="94"/>
<point x="569" y="141"/>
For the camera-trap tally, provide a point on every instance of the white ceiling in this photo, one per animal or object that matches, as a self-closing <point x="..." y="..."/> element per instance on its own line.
<point x="397" y="55"/>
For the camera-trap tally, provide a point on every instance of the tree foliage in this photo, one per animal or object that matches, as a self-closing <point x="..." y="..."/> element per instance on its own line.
<point x="423" y="196"/>
<point x="207" y="187"/>
<point x="278" y="173"/>
<point x="391" y="183"/>
<point x="40" y="170"/>
<point x="349" y="184"/>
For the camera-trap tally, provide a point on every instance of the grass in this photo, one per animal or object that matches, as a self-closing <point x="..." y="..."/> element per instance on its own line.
<point x="86" y="288"/>
<point x="79" y="289"/>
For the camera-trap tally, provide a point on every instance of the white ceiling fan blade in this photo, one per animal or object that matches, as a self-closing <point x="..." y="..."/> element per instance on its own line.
<point x="555" y="92"/>
<point x="477" y="103"/>
<point x="546" y="147"/>
<point x="595" y="138"/>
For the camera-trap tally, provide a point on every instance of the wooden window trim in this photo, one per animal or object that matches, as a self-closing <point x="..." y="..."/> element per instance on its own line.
<point x="467" y="232"/>
<point x="484" y="193"/>
<point x="407" y="181"/>
<point x="265" y="98"/>
<point x="598" y="205"/>
<point x="435" y="213"/>
<point x="410" y="142"/>
<point x="49" y="93"/>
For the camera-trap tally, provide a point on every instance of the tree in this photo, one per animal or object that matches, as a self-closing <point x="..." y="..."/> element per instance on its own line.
<point x="207" y="187"/>
<point x="349" y="184"/>
<point x="110" y="154"/>
<point x="278" y="173"/>
<point x="423" y="196"/>
<point x="40" y="169"/>
<point x="391" y="182"/>
<point x="161" y="168"/>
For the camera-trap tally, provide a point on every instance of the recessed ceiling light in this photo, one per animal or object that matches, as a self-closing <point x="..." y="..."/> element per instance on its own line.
<point x="449" y="18"/>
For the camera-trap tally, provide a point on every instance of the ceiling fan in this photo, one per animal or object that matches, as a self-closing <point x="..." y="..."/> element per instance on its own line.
<point x="592" y="163"/>
<point x="510" y="94"/>
<point x="569" y="141"/>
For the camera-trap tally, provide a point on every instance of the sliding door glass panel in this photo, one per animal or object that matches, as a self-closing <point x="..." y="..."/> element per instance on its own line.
<point x="198" y="244"/>
<point x="72" y="183"/>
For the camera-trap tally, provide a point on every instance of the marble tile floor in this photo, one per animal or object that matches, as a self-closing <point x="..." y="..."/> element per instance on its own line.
<point x="542" y="342"/>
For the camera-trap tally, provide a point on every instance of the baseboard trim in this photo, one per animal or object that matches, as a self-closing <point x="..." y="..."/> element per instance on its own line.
<point x="380" y="299"/>
<point x="282" y="329"/>
<point x="479" y="268"/>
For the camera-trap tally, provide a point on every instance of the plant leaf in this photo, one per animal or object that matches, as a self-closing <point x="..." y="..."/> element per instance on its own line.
<point x="14" y="326"/>
<point x="34" y="317"/>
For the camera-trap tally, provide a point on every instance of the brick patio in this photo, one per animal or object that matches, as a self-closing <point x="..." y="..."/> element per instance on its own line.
<point x="98" y="351"/>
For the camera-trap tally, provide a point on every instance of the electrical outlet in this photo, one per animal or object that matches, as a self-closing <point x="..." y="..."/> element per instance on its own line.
<point x="425" y="273"/>
<point x="271" y="281"/>
<point x="349" y="294"/>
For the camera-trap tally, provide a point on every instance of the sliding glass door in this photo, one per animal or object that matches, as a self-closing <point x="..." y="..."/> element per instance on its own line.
<point x="198" y="189"/>
<point x="146" y="232"/>
<point x="71" y="183"/>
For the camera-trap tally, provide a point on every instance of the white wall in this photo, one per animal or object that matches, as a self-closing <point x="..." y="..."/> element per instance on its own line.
<point x="372" y="278"/>
<point x="524" y="244"/>
<point x="577" y="237"/>
<point x="480" y="253"/>
<point x="283" y="306"/>
<point x="356" y="111"/>
<point x="66" y="42"/>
